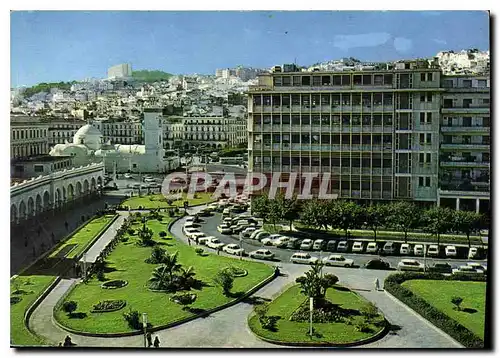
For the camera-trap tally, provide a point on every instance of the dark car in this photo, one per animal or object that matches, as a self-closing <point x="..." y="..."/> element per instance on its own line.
<point x="377" y="264"/>
<point x="441" y="267"/>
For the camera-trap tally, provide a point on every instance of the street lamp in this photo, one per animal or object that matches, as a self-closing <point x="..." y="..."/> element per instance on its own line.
<point x="84" y="265"/>
<point x="241" y="247"/>
<point x="145" y="327"/>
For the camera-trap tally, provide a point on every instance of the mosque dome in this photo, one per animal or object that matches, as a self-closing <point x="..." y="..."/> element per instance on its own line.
<point x="89" y="136"/>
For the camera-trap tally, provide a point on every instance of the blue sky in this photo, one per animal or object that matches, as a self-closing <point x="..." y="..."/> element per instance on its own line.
<point x="72" y="45"/>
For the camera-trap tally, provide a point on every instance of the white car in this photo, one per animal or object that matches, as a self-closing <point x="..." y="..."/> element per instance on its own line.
<point x="338" y="260"/>
<point x="466" y="269"/>
<point x="433" y="250"/>
<point x="281" y="241"/>
<point x="303" y="258"/>
<point x="342" y="246"/>
<point x="450" y="251"/>
<point x="190" y="232"/>
<point x="224" y="229"/>
<point x="196" y="235"/>
<point x="267" y="241"/>
<point x="271" y="239"/>
<point x="248" y="231"/>
<point x="404" y="249"/>
<point x="149" y="180"/>
<point x="418" y="250"/>
<point x="306" y="244"/>
<point x="262" y="235"/>
<point x="255" y="233"/>
<point x="371" y="248"/>
<point x="127" y="176"/>
<point x="410" y="265"/>
<point x="215" y="243"/>
<point x="473" y="253"/>
<point x="318" y="244"/>
<point x="233" y="249"/>
<point x="357" y="246"/>
<point x="202" y="240"/>
<point x="477" y="266"/>
<point x="262" y="254"/>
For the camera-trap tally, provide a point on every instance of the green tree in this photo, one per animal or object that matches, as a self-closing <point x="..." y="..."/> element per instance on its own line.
<point x="145" y="235"/>
<point x="224" y="279"/>
<point x="160" y="278"/>
<point x="260" y="206"/>
<point x="375" y="217"/>
<point x="438" y="220"/>
<point x="467" y="222"/>
<point x="157" y="255"/>
<point x="314" y="284"/>
<point x="69" y="307"/>
<point x="186" y="277"/>
<point x="290" y="209"/>
<point x="172" y="264"/>
<point x="275" y="212"/>
<point x="315" y="213"/>
<point x="404" y="216"/>
<point x="347" y="215"/>
<point x="457" y="301"/>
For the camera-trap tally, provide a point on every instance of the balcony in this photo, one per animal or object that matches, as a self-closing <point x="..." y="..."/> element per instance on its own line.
<point x="465" y="163"/>
<point x="471" y="146"/>
<point x="481" y="109"/>
<point x="463" y="129"/>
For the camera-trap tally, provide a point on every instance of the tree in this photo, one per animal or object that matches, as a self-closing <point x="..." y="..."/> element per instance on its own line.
<point x="160" y="278"/>
<point x="438" y="220"/>
<point x="225" y="280"/>
<point x="275" y="212"/>
<point x="145" y="235"/>
<point x="260" y="206"/>
<point x="314" y="285"/>
<point x="457" y="301"/>
<point x="186" y="277"/>
<point x="404" y="216"/>
<point x="157" y="255"/>
<point x="171" y="264"/>
<point x="315" y="213"/>
<point x="290" y="209"/>
<point x="375" y="217"/>
<point x="467" y="222"/>
<point x="347" y="214"/>
<point x="69" y="307"/>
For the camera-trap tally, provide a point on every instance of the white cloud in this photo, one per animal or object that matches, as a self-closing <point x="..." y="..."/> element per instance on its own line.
<point x="346" y="42"/>
<point x="402" y="44"/>
<point x="439" y="41"/>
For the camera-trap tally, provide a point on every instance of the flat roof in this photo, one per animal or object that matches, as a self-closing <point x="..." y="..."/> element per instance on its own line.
<point x="40" y="159"/>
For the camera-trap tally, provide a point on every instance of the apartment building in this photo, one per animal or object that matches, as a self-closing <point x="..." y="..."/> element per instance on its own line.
<point x="28" y="136"/>
<point x="120" y="131"/>
<point x="62" y="130"/>
<point x="375" y="131"/>
<point x="464" y="172"/>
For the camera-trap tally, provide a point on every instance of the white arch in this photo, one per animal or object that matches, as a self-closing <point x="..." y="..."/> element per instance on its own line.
<point x="57" y="197"/>
<point x="92" y="184"/>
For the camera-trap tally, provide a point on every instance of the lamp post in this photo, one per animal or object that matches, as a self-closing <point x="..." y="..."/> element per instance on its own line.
<point x="311" y="307"/>
<point x="145" y="327"/>
<point x="241" y="247"/>
<point x="84" y="265"/>
<point x="425" y="257"/>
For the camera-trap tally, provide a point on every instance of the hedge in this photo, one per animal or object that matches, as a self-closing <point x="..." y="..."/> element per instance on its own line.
<point x="392" y="285"/>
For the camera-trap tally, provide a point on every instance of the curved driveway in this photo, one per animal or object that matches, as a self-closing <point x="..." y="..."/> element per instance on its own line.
<point x="228" y="328"/>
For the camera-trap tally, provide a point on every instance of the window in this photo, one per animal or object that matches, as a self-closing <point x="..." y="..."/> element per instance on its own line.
<point x="424" y="181"/>
<point x="38" y="168"/>
<point x="425" y="117"/>
<point x="448" y="83"/>
<point x="429" y="77"/>
<point x="467" y="83"/>
<point x="426" y="97"/>
<point x="428" y="138"/>
<point x="422" y="77"/>
<point x="482" y="83"/>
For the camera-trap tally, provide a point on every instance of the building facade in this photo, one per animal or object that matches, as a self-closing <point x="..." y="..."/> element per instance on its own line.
<point x="120" y="131"/>
<point x="63" y="130"/>
<point x="376" y="132"/>
<point x="28" y="136"/>
<point x="123" y="70"/>
<point x="465" y="159"/>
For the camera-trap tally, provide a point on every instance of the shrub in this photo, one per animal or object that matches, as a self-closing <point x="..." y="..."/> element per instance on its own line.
<point x="109" y="306"/>
<point x="100" y="275"/>
<point x="15" y="299"/>
<point x="457" y="301"/>
<point x="184" y="299"/>
<point x="162" y="234"/>
<point x="225" y="280"/>
<point x="198" y="250"/>
<point x="114" y="284"/>
<point x="269" y="322"/>
<point x="236" y="271"/>
<point x="131" y="231"/>
<point x="363" y="327"/>
<point x="133" y="319"/>
<point x="157" y="255"/>
<point x="69" y="307"/>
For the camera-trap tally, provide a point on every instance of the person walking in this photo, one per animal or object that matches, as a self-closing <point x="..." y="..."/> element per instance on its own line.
<point x="377" y="284"/>
<point x="156" y="342"/>
<point x="149" y="338"/>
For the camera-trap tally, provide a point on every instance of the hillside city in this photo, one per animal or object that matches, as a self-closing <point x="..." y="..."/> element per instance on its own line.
<point x="118" y="238"/>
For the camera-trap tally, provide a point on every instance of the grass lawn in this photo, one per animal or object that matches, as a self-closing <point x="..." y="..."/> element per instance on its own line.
<point x="159" y="201"/>
<point x="19" y="334"/>
<point x="81" y="239"/>
<point x="128" y="260"/>
<point x="290" y="331"/>
<point x="439" y="294"/>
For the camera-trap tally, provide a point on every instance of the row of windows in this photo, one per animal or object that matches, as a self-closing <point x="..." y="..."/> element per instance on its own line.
<point x="334" y="80"/>
<point x="346" y="162"/>
<point x="28" y="133"/>
<point x="368" y="139"/>
<point x="465" y="84"/>
<point x="336" y="99"/>
<point x="324" y="119"/>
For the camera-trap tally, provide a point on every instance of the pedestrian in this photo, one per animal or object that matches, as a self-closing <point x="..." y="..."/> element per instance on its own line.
<point x="218" y="250"/>
<point x="60" y="344"/>
<point x="189" y="241"/>
<point x="377" y="284"/>
<point x="67" y="342"/>
<point x="157" y="342"/>
<point x="150" y="339"/>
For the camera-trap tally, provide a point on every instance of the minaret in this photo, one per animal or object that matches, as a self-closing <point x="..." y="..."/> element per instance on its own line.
<point x="153" y="138"/>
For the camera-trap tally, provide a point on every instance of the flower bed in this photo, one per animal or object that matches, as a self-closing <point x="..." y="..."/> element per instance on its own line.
<point x="109" y="306"/>
<point x="114" y="284"/>
<point x="237" y="272"/>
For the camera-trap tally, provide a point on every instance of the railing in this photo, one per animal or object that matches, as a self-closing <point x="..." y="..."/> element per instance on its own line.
<point x="475" y="129"/>
<point x="477" y="146"/>
<point x="465" y="163"/>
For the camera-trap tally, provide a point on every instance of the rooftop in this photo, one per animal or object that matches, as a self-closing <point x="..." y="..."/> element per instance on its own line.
<point x="40" y="159"/>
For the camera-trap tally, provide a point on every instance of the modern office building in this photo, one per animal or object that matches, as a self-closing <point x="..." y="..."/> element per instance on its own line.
<point x="379" y="133"/>
<point x="123" y="70"/>
<point x="464" y="168"/>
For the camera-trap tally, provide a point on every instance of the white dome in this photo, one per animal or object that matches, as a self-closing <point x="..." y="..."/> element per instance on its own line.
<point x="89" y="136"/>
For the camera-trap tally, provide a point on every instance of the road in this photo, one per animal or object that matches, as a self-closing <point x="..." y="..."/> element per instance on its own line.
<point x="209" y="227"/>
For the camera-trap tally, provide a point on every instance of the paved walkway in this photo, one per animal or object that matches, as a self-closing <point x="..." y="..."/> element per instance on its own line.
<point x="228" y="328"/>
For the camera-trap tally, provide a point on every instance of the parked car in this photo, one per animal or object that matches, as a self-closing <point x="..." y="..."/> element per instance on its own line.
<point x="378" y="264"/>
<point x="196" y="236"/>
<point x="262" y="235"/>
<point x="410" y="265"/>
<point x="389" y="248"/>
<point x="248" y="231"/>
<point x="433" y="250"/>
<point x="338" y="260"/>
<point x="477" y="266"/>
<point x="215" y="243"/>
<point x="418" y="250"/>
<point x="262" y="254"/>
<point x="473" y="253"/>
<point x="372" y="248"/>
<point x="331" y="245"/>
<point x="303" y="258"/>
<point x="233" y="249"/>
<point x="306" y="244"/>
<point x="224" y="229"/>
<point x="357" y="246"/>
<point x="467" y="270"/>
<point x="293" y="243"/>
<point x="342" y="246"/>
<point x="450" y="251"/>
<point x="202" y="240"/>
<point x="149" y="180"/>
<point x="404" y="249"/>
<point x="255" y="233"/>
<point x="267" y="241"/>
<point x="319" y="244"/>
<point x="441" y="267"/>
<point x="281" y="241"/>
<point x="128" y="176"/>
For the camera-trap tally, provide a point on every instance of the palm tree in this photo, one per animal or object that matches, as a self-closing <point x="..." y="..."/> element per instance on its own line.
<point x="171" y="264"/>
<point x="160" y="278"/>
<point x="186" y="277"/>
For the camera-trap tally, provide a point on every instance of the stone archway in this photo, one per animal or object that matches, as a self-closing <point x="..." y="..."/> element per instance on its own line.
<point x="31" y="207"/>
<point x="46" y="200"/>
<point x="78" y="189"/>
<point x="22" y="210"/>
<point x="38" y="204"/>
<point x="70" y="192"/>
<point x="57" y="197"/>
<point x="63" y="197"/>
<point x="13" y="214"/>
<point x="99" y="182"/>
<point x="86" y="187"/>
<point x="92" y="184"/>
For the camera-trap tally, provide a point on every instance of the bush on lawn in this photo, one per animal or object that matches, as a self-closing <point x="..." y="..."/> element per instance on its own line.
<point x="109" y="306"/>
<point x="131" y="231"/>
<point x="15" y="299"/>
<point x="133" y="319"/>
<point x="157" y="255"/>
<point x="199" y="251"/>
<point x="224" y="279"/>
<point x="162" y="234"/>
<point x="393" y="285"/>
<point x="69" y="307"/>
